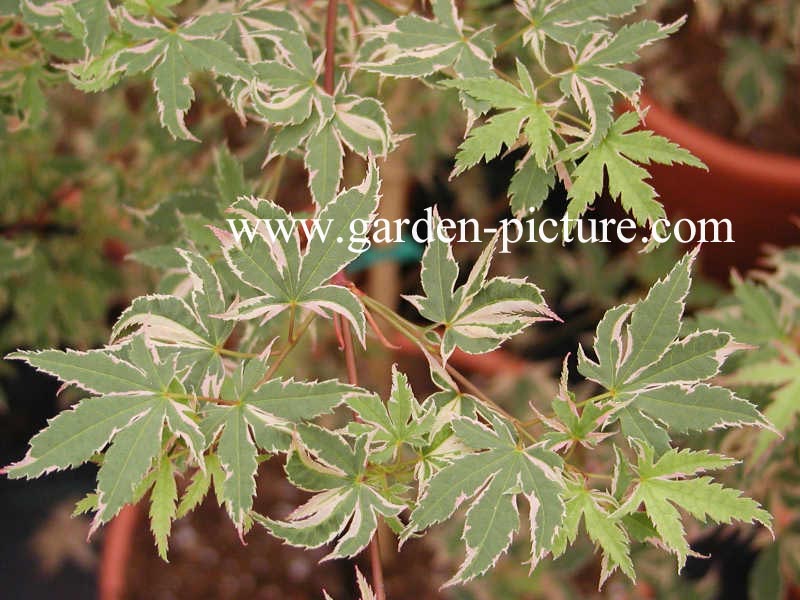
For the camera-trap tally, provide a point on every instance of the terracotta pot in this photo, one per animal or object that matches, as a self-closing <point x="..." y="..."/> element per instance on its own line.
<point x="116" y="552"/>
<point x="758" y="191"/>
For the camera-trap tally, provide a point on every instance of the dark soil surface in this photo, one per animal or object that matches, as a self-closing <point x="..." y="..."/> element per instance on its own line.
<point x="208" y="561"/>
<point x="685" y="75"/>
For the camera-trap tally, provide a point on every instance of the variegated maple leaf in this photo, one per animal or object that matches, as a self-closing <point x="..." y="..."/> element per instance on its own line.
<point x="479" y="315"/>
<point x="136" y="399"/>
<point x="287" y="92"/>
<point x="173" y="54"/>
<point x="596" y="72"/>
<point x="273" y="264"/>
<point x="345" y="506"/>
<point x="401" y="421"/>
<point x="413" y="46"/>
<point x="566" y="21"/>
<point x="571" y="425"/>
<point x="186" y="331"/>
<point x="494" y="476"/>
<point x="255" y="415"/>
<point x="656" y="378"/>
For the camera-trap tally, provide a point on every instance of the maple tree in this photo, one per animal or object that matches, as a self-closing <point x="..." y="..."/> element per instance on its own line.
<point x="195" y="379"/>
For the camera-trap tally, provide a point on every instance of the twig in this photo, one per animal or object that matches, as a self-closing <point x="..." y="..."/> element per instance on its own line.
<point x="289" y="347"/>
<point x="374" y="547"/>
<point x="351" y="11"/>
<point x="330" y="45"/>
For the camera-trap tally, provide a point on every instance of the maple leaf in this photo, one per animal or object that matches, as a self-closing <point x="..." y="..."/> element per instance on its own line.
<point x="524" y="113"/>
<point x="284" y="276"/>
<point x="595" y="75"/>
<point x="136" y="398"/>
<point x="664" y="484"/>
<point x="479" y="315"/>
<point x="173" y="54"/>
<point x="493" y="477"/>
<point x="189" y="333"/>
<point x="655" y="377"/>
<point x="402" y="420"/>
<point x="345" y="505"/>
<point x="616" y="156"/>
<point x="597" y="510"/>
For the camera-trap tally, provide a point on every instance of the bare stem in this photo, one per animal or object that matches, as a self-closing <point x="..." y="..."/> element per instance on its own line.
<point x="374" y="545"/>
<point x="351" y="11"/>
<point x="377" y="568"/>
<point x="508" y="41"/>
<point x="330" y="45"/>
<point x="292" y="313"/>
<point x="236" y="353"/>
<point x="289" y="347"/>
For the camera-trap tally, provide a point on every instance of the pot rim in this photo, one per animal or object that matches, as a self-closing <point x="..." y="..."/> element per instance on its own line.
<point x="722" y="155"/>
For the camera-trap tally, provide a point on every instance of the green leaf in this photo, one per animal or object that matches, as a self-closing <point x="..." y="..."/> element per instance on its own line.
<point x="237" y="456"/>
<point x="564" y="21"/>
<point x="96" y="371"/>
<point x="524" y="113"/>
<point x="292" y="279"/>
<point x="346" y="506"/>
<point x="94" y="17"/>
<point x="654" y="377"/>
<point x="413" y="46"/>
<point x="196" y="490"/>
<point x="126" y="463"/>
<point x="137" y="402"/>
<point x="607" y="531"/>
<point x="162" y="505"/>
<point x="191" y="333"/>
<point x="479" y="315"/>
<point x="529" y="187"/>
<point x="666" y="484"/>
<point x="616" y="155"/>
<point x="75" y="435"/>
<point x="596" y="73"/>
<point x="324" y="160"/>
<point x="174" y="55"/>
<point x="401" y="421"/>
<point x="494" y="477"/>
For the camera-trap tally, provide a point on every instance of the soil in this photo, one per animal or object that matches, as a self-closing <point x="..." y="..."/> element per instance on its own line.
<point x="208" y="561"/>
<point x="683" y="73"/>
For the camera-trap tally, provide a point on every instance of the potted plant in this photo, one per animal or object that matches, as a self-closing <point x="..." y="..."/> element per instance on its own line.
<point x="257" y="345"/>
<point x="733" y="109"/>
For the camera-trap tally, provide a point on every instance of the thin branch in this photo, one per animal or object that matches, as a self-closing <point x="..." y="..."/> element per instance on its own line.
<point x="374" y="545"/>
<point x="330" y="45"/>
<point x="289" y="347"/>
<point x="408" y="329"/>
<point x="351" y="11"/>
<point x="377" y="569"/>
<point x="349" y="354"/>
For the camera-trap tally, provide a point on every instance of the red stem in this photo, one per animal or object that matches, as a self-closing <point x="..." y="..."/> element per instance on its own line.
<point x="374" y="545"/>
<point x="330" y="45"/>
<point x="349" y="355"/>
<point x="377" y="569"/>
